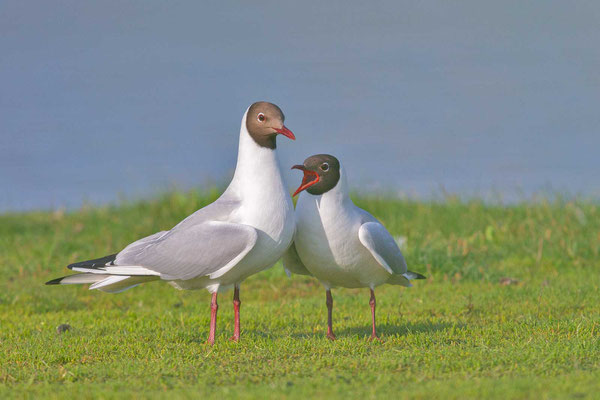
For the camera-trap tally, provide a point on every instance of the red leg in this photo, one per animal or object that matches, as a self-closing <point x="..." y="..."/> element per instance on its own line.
<point x="329" y="303"/>
<point x="372" y="303"/>
<point x="213" y="319"/>
<point x="236" y="314"/>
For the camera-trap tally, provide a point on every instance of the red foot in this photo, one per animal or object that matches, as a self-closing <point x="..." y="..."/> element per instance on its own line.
<point x="331" y="336"/>
<point x="375" y="338"/>
<point x="234" y="338"/>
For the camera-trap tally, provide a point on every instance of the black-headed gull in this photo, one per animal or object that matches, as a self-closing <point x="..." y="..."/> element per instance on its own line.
<point x="243" y="232"/>
<point x="337" y="242"/>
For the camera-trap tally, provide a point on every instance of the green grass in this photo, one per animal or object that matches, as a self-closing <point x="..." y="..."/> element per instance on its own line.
<point x="459" y="334"/>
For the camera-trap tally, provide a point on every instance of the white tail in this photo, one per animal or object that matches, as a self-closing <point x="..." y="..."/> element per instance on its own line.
<point x="103" y="281"/>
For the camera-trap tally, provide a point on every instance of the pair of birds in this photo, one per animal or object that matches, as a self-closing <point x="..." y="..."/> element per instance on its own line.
<point x="253" y="224"/>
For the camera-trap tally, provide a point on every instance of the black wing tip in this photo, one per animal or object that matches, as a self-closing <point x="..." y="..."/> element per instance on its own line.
<point x="417" y="275"/>
<point x="95" y="263"/>
<point x="54" y="281"/>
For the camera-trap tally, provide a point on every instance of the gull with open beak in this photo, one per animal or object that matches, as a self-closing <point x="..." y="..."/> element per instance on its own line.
<point x="339" y="243"/>
<point x="243" y="232"/>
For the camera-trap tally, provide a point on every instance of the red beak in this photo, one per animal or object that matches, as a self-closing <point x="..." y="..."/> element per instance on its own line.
<point x="285" y="132"/>
<point x="309" y="179"/>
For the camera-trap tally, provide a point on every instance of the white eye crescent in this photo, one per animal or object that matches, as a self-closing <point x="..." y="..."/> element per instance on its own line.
<point x="261" y="117"/>
<point x="324" y="166"/>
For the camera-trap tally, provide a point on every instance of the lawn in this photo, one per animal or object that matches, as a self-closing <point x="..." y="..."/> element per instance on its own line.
<point x="510" y="309"/>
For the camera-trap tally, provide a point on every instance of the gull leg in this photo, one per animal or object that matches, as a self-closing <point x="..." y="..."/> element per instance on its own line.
<point x="329" y="303"/>
<point x="236" y="314"/>
<point x="372" y="304"/>
<point x="213" y="319"/>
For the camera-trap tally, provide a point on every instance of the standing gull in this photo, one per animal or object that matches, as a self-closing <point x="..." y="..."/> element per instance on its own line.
<point x="243" y="232"/>
<point x="337" y="242"/>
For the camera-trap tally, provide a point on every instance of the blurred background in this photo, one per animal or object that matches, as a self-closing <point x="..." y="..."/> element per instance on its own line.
<point x="101" y="101"/>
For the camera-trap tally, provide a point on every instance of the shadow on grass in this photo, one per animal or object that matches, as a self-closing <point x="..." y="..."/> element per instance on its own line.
<point x="224" y="336"/>
<point x="386" y="330"/>
<point x="397" y="330"/>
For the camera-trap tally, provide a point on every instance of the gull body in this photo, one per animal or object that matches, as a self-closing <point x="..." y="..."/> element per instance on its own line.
<point x="257" y="197"/>
<point x="328" y="242"/>
<point x="339" y="243"/>
<point x="243" y="232"/>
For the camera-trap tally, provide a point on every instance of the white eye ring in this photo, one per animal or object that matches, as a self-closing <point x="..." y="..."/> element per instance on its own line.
<point x="324" y="166"/>
<point x="260" y="117"/>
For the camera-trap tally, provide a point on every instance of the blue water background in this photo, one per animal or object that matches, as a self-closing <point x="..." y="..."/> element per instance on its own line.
<point x="107" y="100"/>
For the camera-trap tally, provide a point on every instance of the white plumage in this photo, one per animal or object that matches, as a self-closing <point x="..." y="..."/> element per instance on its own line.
<point x="243" y="232"/>
<point x="341" y="244"/>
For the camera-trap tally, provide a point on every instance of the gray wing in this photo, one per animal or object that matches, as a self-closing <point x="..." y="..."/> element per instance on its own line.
<point x="209" y="248"/>
<point x="292" y="264"/>
<point x="382" y="246"/>
<point x="219" y="210"/>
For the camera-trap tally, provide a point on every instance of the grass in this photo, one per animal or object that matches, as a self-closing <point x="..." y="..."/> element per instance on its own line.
<point x="510" y="309"/>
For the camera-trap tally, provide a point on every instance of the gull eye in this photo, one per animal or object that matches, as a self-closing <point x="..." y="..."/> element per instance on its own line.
<point x="261" y="117"/>
<point x="324" y="166"/>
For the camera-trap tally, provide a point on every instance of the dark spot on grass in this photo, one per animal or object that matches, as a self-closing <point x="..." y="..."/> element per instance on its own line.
<point x="508" y="281"/>
<point x="62" y="328"/>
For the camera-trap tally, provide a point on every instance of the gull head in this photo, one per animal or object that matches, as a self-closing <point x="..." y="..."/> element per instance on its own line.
<point x="321" y="174"/>
<point x="264" y="121"/>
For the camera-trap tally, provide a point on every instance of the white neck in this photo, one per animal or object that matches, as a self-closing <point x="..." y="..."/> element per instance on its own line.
<point x="257" y="168"/>
<point x="340" y="190"/>
<point x="338" y="195"/>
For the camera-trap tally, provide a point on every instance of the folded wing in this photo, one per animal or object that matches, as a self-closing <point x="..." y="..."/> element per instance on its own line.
<point x="209" y="249"/>
<point x="383" y="247"/>
<point x="292" y="264"/>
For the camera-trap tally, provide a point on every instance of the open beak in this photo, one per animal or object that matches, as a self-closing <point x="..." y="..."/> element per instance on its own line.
<point x="309" y="179"/>
<point x="285" y="132"/>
